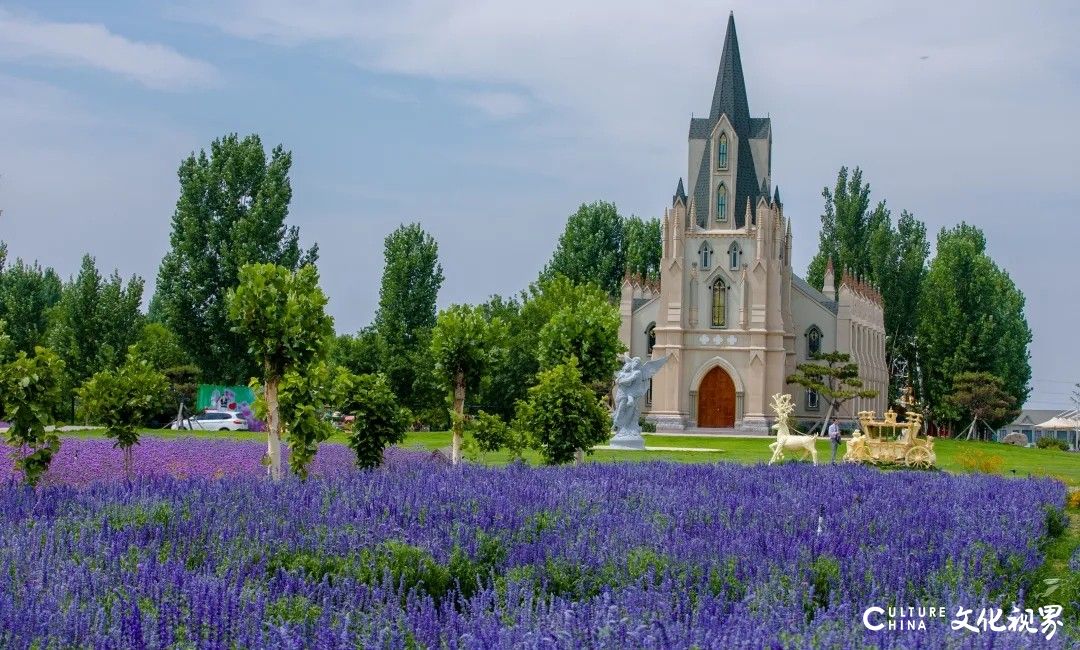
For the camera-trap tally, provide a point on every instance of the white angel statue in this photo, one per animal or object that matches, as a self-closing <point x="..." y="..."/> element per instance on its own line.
<point x="631" y="384"/>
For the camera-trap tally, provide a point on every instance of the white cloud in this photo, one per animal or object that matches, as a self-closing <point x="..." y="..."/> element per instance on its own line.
<point x="495" y="104"/>
<point x="86" y="45"/>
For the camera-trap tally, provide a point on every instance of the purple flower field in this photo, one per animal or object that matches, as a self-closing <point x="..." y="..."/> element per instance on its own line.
<point x="418" y="554"/>
<point x="84" y="461"/>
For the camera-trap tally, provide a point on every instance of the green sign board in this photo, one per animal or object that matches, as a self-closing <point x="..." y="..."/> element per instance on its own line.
<point x="231" y="398"/>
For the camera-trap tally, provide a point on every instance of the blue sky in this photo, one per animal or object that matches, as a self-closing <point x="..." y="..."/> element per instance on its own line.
<point x="491" y="121"/>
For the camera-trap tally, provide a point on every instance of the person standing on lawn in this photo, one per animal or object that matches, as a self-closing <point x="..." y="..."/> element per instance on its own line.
<point x="834" y="439"/>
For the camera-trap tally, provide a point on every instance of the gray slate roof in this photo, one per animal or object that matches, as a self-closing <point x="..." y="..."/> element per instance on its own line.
<point x="1030" y="417"/>
<point x="819" y="297"/>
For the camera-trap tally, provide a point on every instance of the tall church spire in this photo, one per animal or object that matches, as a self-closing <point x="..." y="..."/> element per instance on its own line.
<point x="729" y="96"/>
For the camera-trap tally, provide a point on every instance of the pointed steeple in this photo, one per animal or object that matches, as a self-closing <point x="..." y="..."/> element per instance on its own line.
<point x="828" y="288"/>
<point x="680" y="194"/>
<point x="729" y="96"/>
<point x="776" y="195"/>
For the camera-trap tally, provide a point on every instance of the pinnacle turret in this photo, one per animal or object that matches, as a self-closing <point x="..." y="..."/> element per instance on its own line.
<point x="680" y="193"/>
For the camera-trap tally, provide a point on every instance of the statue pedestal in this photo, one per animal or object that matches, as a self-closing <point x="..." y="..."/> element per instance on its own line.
<point x="636" y="443"/>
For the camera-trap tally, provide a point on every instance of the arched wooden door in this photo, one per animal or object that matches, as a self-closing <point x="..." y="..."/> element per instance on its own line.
<point x="716" y="400"/>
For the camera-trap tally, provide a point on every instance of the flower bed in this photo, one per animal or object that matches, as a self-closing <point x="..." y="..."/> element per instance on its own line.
<point x="419" y="555"/>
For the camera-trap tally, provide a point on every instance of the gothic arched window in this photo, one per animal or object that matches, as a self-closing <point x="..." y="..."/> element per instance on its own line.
<point x="734" y="255"/>
<point x="721" y="202"/>
<point x="721" y="152"/>
<point x="813" y="341"/>
<point x="650" y="338"/>
<point x="705" y="253"/>
<point x="719" y="304"/>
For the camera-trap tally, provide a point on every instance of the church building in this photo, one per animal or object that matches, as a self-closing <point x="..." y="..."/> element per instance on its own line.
<point x="728" y="311"/>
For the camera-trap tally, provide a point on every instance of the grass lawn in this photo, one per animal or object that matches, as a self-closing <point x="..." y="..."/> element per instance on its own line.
<point x="1018" y="461"/>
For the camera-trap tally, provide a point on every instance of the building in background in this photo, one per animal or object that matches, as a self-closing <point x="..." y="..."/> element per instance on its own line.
<point x="1027" y="425"/>
<point x="728" y="309"/>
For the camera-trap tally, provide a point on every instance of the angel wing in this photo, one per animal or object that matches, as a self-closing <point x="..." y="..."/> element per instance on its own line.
<point x="650" y="368"/>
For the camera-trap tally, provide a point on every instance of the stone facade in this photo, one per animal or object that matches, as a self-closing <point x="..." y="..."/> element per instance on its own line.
<point x="728" y="309"/>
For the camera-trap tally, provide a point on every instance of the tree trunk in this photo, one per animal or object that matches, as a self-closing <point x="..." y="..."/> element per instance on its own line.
<point x="824" y="421"/>
<point x="459" y="420"/>
<point x="967" y="432"/>
<point x="273" y="429"/>
<point x="128" y="462"/>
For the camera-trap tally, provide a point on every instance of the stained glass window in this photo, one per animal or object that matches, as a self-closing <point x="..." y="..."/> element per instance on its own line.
<point x="721" y="152"/>
<point x="721" y="203"/>
<point x="813" y="341"/>
<point x="719" y="304"/>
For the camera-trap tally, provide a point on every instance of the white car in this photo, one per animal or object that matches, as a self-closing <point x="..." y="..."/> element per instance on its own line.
<point x="214" y="421"/>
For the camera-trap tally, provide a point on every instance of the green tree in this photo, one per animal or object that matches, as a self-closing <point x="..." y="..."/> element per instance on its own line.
<point x="95" y="322"/>
<point x="491" y="433"/>
<point x="27" y="293"/>
<point x="642" y="247"/>
<point x="306" y="395"/>
<point x="902" y="266"/>
<point x="982" y="397"/>
<point x="281" y="314"/>
<point x="159" y="347"/>
<point x="231" y="211"/>
<point x="864" y="242"/>
<point x="509" y="376"/>
<point x="587" y="330"/>
<point x="29" y="387"/>
<point x="464" y="344"/>
<point x="834" y="377"/>
<point x="591" y="248"/>
<point x="412" y="277"/>
<point x="361" y="354"/>
<point x="561" y="415"/>
<point x="972" y="321"/>
<point x="848" y="226"/>
<point x="379" y="420"/>
<point x="119" y="400"/>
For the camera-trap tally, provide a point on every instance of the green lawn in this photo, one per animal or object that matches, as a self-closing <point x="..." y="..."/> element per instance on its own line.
<point x="1018" y="461"/>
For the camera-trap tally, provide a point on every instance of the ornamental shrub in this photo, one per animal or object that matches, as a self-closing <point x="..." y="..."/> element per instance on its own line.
<point x="492" y="434"/>
<point x="379" y="420"/>
<point x="562" y="415"/>
<point x="1048" y="442"/>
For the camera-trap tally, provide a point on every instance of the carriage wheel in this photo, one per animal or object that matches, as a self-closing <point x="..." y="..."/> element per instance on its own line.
<point x="918" y="457"/>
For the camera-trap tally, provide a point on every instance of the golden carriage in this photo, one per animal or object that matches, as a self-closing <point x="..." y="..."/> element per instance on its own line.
<point x="890" y="440"/>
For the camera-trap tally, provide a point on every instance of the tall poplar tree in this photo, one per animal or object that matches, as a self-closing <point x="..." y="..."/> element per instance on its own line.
<point x="232" y="210"/>
<point x="864" y="242"/>
<point x="848" y="226"/>
<point x="972" y="321"/>
<point x="642" y="247"/>
<point x="411" y="279"/>
<point x="27" y="293"/>
<point x="95" y="322"/>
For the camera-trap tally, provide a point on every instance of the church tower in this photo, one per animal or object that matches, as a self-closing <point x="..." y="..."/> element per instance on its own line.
<point x="729" y="313"/>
